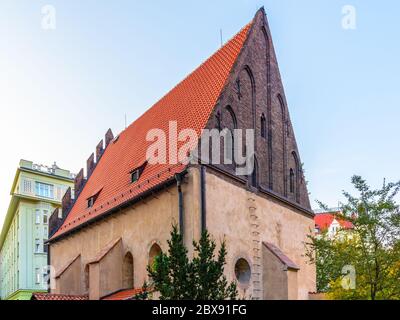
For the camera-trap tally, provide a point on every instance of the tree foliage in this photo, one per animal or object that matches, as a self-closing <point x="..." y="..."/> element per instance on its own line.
<point x="175" y="277"/>
<point x="371" y="248"/>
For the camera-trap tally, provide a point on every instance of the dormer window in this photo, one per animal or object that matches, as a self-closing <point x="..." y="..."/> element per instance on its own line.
<point x="135" y="175"/>
<point x="90" y="202"/>
<point x="92" y="199"/>
<point x="137" y="172"/>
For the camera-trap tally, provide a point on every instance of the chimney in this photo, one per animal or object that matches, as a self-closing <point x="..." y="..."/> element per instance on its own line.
<point x="66" y="202"/>
<point x="109" y="137"/>
<point x="54" y="223"/>
<point x="90" y="165"/>
<point x="79" y="182"/>
<point x="59" y="214"/>
<point x="99" y="151"/>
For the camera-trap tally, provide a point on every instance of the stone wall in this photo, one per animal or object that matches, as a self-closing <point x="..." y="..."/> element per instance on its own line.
<point x="246" y="219"/>
<point x="243" y="218"/>
<point x="139" y="226"/>
<point x="255" y="90"/>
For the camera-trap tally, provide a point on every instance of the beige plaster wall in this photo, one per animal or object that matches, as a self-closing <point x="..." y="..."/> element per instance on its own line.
<point x="243" y="218"/>
<point x="110" y="271"/>
<point x="275" y="278"/>
<point x="246" y="219"/>
<point x="139" y="227"/>
<point x="293" y="292"/>
<point x="69" y="281"/>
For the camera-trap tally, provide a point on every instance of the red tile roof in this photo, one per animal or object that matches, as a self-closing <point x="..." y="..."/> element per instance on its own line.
<point x="52" y="296"/>
<point x="324" y="220"/>
<point x="123" y="294"/>
<point x="190" y="104"/>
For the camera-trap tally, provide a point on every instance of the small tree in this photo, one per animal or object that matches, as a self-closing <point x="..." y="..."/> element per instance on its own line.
<point x="372" y="247"/>
<point x="177" y="278"/>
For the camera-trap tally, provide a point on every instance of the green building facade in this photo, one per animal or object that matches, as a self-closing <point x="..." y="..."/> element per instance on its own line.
<point x="36" y="192"/>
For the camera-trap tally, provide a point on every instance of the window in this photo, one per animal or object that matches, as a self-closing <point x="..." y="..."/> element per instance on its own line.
<point x="37" y="275"/>
<point x="155" y="251"/>
<point x="27" y="186"/>
<point x="44" y="190"/>
<point x="291" y="181"/>
<point x="238" y="91"/>
<point x="263" y="126"/>
<point x="135" y="176"/>
<point x="44" y="247"/>
<point x="242" y="271"/>
<point x="45" y="275"/>
<point x="60" y="213"/>
<point x="254" y="175"/>
<point x="127" y="271"/>
<point x="45" y="232"/>
<point x="59" y="193"/>
<point x="37" y="246"/>
<point x="45" y="216"/>
<point x="37" y="216"/>
<point x="295" y="176"/>
<point x="218" y="118"/>
<point x="90" y="202"/>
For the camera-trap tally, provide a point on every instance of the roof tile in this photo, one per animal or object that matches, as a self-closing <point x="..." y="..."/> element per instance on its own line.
<point x="190" y="104"/>
<point x="52" y="296"/>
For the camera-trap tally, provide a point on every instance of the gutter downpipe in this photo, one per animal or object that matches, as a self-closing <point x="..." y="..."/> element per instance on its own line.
<point x="179" y="178"/>
<point x="203" y="199"/>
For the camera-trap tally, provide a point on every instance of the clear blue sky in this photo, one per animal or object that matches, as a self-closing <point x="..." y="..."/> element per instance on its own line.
<point x="61" y="90"/>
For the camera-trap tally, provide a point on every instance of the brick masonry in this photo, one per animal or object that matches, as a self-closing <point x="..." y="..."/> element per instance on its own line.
<point x="254" y="89"/>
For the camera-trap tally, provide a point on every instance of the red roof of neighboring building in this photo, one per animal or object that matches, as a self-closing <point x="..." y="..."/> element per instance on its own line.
<point x="52" y="296"/>
<point x="324" y="220"/>
<point x="190" y="104"/>
<point x="123" y="294"/>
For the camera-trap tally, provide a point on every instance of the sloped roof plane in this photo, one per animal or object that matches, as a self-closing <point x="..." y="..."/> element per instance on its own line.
<point x="190" y="104"/>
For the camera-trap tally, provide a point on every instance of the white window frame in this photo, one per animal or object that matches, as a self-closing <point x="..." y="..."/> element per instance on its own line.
<point x="37" y="246"/>
<point x="37" y="216"/>
<point x="44" y="190"/>
<point x="45" y="216"/>
<point x="37" y="276"/>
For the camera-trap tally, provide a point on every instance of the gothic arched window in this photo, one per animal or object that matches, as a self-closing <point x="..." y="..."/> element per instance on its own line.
<point x="296" y="176"/>
<point x="291" y="181"/>
<point x="263" y="126"/>
<point x="154" y="252"/>
<point x="127" y="271"/>
<point x="254" y="175"/>
<point x="218" y="120"/>
<point x="232" y="126"/>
